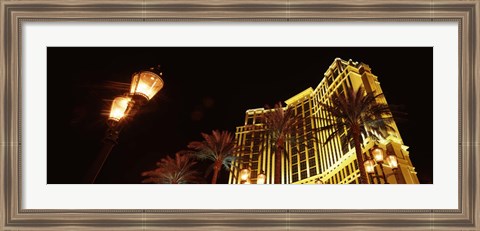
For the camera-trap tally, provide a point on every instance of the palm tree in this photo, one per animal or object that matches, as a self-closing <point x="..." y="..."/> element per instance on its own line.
<point x="218" y="147"/>
<point x="357" y="112"/>
<point x="173" y="171"/>
<point x="280" y="124"/>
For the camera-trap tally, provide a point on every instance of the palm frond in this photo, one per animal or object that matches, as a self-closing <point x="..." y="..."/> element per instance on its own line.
<point x="217" y="146"/>
<point x="356" y="109"/>
<point x="178" y="170"/>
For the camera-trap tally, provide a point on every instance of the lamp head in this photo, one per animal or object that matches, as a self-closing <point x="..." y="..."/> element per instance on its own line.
<point x="118" y="109"/>
<point x="261" y="178"/>
<point x="392" y="161"/>
<point x="244" y="174"/>
<point x="369" y="166"/>
<point x="377" y="153"/>
<point x="146" y="83"/>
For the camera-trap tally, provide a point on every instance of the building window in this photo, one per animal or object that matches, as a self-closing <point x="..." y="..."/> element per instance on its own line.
<point x="295" y="167"/>
<point x="340" y="90"/>
<point x="303" y="165"/>
<point x="345" y="147"/>
<point x="254" y="165"/>
<point x="295" y="177"/>
<point x="294" y="159"/>
<point x="311" y="162"/>
<point x="306" y="106"/>
<point x="329" y="80"/>
<point x="304" y="174"/>
<point x="311" y="152"/>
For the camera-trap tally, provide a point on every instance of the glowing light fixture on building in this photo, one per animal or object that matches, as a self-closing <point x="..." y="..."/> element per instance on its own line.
<point x="392" y="161"/>
<point x="369" y="166"/>
<point x="377" y="154"/>
<point x="261" y="178"/>
<point x="244" y="174"/>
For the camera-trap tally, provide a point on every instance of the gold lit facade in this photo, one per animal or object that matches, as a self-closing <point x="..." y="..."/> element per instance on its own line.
<point x="310" y="159"/>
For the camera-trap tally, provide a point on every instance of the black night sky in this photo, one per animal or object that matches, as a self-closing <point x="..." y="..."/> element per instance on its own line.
<point x="205" y="89"/>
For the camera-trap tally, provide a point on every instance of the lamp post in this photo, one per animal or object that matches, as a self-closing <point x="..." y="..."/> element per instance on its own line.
<point x="378" y="155"/>
<point x="145" y="84"/>
<point x="369" y="166"/>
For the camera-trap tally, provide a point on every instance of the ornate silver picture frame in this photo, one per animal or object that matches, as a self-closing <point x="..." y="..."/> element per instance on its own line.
<point x="14" y="14"/>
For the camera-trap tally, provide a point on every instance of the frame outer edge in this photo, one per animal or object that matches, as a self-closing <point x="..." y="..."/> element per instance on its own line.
<point x="10" y="209"/>
<point x="475" y="190"/>
<point x="470" y="118"/>
<point x="3" y="162"/>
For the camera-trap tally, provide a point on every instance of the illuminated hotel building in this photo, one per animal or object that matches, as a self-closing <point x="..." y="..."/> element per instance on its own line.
<point x="310" y="159"/>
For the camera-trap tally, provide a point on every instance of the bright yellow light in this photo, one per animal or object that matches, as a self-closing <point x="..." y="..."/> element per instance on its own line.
<point x="392" y="160"/>
<point x="244" y="174"/>
<point x="378" y="154"/>
<point x="261" y="178"/>
<point x="247" y="182"/>
<point x="318" y="181"/>
<point x="119" y="106"/>
<point x="146" y="83"/>
<point x="369" y="166"/>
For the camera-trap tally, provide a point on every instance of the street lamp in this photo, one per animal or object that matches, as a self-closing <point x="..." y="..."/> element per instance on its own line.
<point x="369" y="166"/>
<point x="145" y="84"/>
<point x="392" y="161"/>
<point x="118" y="109"/>
<point x="319" y="181"/>
<point x="378" y="156"/>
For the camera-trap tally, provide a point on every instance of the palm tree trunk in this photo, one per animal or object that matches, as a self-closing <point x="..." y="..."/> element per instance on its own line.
<point x="358" y="151"/>
<point x="278" y="162"/>
<point x="278" y="166"/>
<point x="216" y="170"/>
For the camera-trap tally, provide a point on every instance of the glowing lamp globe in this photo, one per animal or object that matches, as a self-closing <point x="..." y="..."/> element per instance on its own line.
<point x="244" y="174"/>
<point x="392" y="160"/>
<point x="369" y="166"/>
<point x="119" y="106"/>
<point x="146" y="84"/>
<point x="261" y="178"/>
<point x="378" y="154"/>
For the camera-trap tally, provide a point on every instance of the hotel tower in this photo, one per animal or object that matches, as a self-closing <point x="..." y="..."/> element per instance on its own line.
<point x="310" y="159"/>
